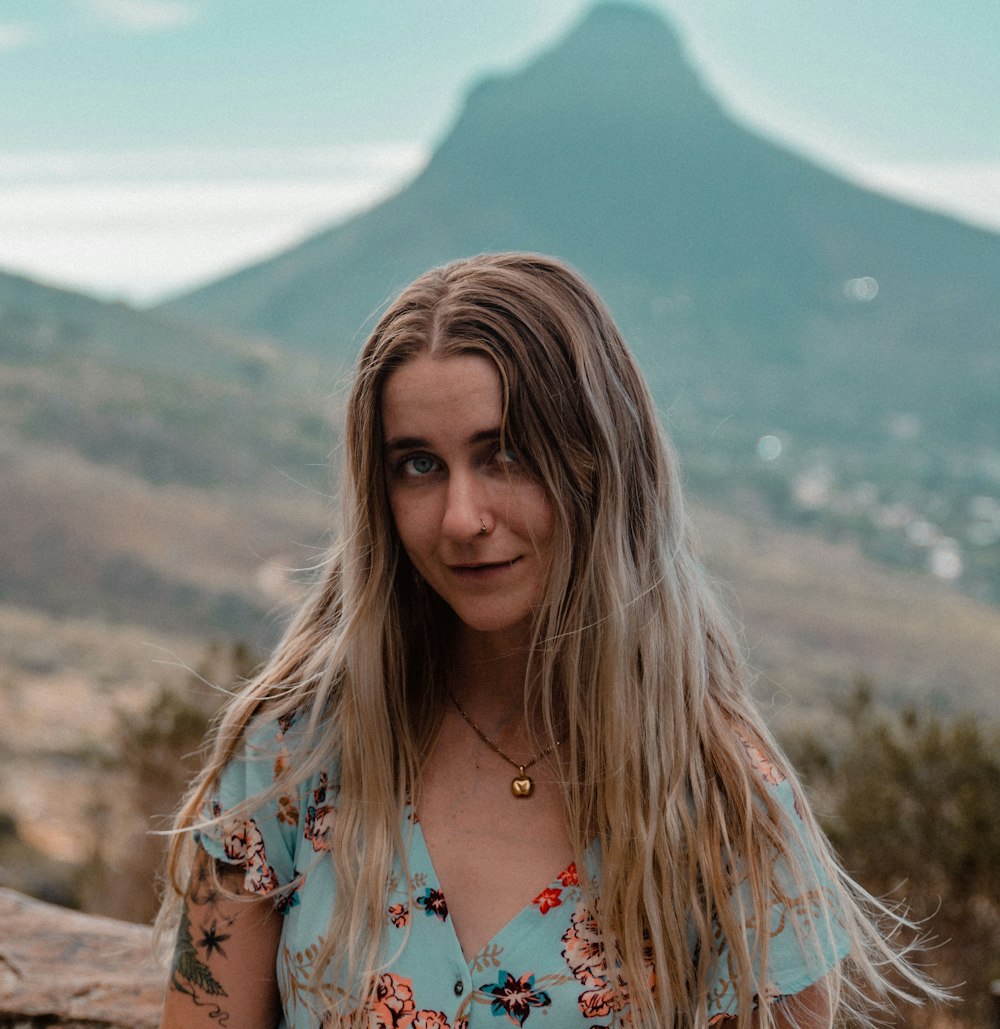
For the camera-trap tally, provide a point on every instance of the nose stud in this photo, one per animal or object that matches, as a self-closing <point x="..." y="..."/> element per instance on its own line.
<point x="483" y="530"/>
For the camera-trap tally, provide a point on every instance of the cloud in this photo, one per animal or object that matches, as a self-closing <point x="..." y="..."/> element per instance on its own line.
<point x="968" y="190"/>
<point x="145" y="224"/>
<point x="14" y="35"/>
<point x="185" y="164"/>
<point x="142" y="15"/>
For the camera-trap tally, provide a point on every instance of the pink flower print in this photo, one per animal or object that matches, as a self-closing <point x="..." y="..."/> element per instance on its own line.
<point x="399" y="915"/>
<point x="584" y="954"/>
<point x="548" y="899"/>
<point x="583" y="950"/>
<point x="318" y="826"/>
<point x="599" y="1002"/>
<point x="394" y="1007"/>
<point x="425" y="1019"/>
<point x="768" y="771"/>
<point x="569" y="877"/>
<point x="244" y="844"/>
<point x="319" y="818"/>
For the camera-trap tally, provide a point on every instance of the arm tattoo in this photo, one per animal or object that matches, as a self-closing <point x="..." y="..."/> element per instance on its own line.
<point x="189" y="974"/>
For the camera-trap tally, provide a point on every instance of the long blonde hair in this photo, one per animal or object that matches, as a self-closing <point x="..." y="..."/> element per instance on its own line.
<point x="633" y="664"/>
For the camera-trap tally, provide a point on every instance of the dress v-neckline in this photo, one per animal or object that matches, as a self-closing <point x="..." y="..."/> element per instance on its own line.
<point x="522" y="914"/>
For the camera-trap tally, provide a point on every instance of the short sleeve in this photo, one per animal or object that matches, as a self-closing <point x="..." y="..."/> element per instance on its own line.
<point x="806" y="938"/>
<point x="261" y="839"/>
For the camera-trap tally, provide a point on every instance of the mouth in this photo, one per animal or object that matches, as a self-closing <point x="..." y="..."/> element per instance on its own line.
<point x="483" y="567"/>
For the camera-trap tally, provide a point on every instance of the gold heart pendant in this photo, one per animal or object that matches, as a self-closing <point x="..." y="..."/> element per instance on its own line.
<point x="521" y="786"/>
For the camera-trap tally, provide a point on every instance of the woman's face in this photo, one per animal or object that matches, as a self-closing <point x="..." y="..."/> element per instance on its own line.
<point x="448" y="478"/>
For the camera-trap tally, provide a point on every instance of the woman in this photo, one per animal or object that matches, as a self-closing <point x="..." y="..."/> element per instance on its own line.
<point x="511" y="665"/>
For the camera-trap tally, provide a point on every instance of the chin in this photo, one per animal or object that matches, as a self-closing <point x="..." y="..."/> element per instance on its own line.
<point x="488" y="622"/>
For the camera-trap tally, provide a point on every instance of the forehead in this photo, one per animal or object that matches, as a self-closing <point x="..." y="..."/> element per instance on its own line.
<point x="432" y="392"/>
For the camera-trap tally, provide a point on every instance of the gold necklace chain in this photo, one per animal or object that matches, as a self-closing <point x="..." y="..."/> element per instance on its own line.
<point x="521" y="785"/>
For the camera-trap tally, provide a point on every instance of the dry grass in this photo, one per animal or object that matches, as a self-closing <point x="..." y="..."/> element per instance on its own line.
<point x="62" y="684"/>
<point x="67" y="522"/>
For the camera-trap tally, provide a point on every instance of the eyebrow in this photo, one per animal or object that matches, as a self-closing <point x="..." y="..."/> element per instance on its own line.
<point x="418" y="442"/>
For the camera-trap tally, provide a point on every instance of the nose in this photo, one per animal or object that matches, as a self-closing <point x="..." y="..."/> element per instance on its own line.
<point x="465" y="503"/>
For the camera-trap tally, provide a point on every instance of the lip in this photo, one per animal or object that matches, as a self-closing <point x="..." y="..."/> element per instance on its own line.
<point x="483" y="569"/>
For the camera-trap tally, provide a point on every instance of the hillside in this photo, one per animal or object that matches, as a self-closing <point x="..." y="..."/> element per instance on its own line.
<point x="826" y="356"/>
<point x="40" y="322"/>
<point x="146" y="467"/>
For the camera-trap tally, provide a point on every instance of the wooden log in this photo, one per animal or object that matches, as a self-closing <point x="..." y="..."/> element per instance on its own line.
<point x="62" y="968"/>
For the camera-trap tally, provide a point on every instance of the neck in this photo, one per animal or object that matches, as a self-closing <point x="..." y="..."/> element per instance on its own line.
<point x="489" y="672"/>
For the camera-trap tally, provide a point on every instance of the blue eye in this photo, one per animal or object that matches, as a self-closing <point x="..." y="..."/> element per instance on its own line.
<point x="419" y="465"/>
<point x="508" y="456"/>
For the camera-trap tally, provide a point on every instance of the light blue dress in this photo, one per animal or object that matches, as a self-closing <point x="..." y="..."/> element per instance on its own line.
<point x="546" y="969"/>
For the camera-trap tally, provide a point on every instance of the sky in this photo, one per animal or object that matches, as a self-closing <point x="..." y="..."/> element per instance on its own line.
<point x="149" y="145"/>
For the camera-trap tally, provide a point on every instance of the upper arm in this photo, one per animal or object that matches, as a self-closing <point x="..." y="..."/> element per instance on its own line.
<point x="809" y="1009"/>
<point x="223" y="968"/>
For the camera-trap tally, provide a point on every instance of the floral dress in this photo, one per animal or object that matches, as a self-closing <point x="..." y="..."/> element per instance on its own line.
<point x="545" y="969"/>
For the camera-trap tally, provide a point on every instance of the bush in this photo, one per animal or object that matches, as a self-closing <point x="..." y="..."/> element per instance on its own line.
<point x="914" y="811"/>
<point x="159" y="753"/>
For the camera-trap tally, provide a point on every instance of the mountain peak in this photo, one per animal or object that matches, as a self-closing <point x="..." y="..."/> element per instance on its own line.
<point x="629" y="22"/>
<point x="622" y="56"/>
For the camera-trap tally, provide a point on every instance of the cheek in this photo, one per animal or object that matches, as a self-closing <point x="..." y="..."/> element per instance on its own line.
<point x="397" y="515"/>
<point x="538" y="517"/>
<point x="410" y="521"/>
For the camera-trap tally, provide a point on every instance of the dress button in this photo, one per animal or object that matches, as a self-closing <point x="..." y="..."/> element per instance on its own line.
<point x="459" y="987"/>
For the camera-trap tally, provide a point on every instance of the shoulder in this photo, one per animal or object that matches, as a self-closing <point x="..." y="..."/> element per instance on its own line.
<point x="269" y="732"/>
<point x="274" y="791"/>
<point x="770" y="773"/>
<point x="759" y="756"/>
<point x="276" y="747"/>
<point x="259" y="756"/>
<point x="783" y="911"/>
